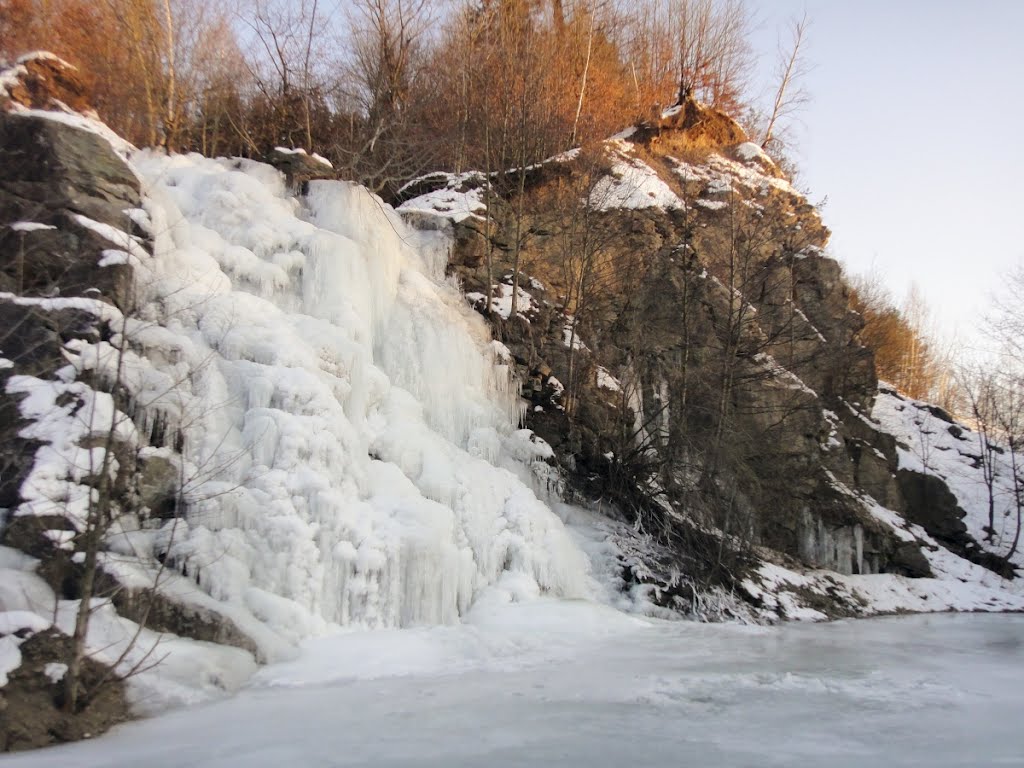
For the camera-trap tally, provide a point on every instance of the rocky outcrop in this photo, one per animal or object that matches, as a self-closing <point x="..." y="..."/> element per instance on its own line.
<point x="688" y="350"/>
<point x="60" y="188"/>
<point x="41" y="80"/>
<point x="72" y="231"/>
<point x="691" y="125"/>
<point x="30" y="712"/>
<point x="299" y="167"/>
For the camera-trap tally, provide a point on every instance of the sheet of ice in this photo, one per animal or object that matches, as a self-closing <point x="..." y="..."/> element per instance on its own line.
<point x="545" y="683"/>
<point x="341" y="410"/>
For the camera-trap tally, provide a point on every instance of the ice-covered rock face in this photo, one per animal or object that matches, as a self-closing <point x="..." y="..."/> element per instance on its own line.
<point x="340" y="409"/>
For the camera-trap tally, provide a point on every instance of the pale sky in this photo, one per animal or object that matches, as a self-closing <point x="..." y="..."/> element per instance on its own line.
<point x="915" y="134"/>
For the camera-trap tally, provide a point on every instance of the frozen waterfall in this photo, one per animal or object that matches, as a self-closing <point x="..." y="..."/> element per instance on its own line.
<point x="341" y="411"/>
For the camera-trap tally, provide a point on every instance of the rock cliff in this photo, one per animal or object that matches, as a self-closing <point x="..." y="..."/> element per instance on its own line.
<point x="687" y="348"/>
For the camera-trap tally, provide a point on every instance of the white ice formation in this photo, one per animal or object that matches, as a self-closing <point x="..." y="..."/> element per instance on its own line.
<point x="341" y="411"/>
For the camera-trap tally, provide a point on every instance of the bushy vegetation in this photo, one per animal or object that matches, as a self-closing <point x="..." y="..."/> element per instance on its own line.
<point x="387" y="89"/>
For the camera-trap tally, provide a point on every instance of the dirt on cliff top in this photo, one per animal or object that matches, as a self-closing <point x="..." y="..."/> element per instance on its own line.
<point x="691" y="126"/>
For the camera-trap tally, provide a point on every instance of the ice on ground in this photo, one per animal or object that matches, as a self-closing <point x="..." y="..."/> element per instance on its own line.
<point x="542" y="683"/>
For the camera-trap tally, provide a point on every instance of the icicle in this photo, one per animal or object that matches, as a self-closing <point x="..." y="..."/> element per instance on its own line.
<point x="342" y="409"/>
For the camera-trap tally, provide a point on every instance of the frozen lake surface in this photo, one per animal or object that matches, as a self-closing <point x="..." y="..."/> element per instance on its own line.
<point x="570" y="683"/>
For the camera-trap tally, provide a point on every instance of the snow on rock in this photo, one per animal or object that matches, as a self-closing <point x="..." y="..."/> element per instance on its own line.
<point x="784" y="592"/>
<point x="129" y="249"/>
<point x="930" y="444"/>
<point x="631" y="184"/>
<point x="461" y="198"/>
<point x="501" y="301"/>
<point x="749" y="151"/>
<point x="62" y="417"/>
<point x="300" y="151"/>
<point x="55" y="671"/>
<point x="15" y="627"/>
<point x="340" y="408"/>
<point x="711" y="205"/>
<point x="21" y="623"/>
<point x="30" y="226"/>
<point x="84" y="123"/>
<point x="10" y="656"/>
<point x="782" y="374"/>
<point x="571" y="334"/>
<point x="720" y="175"/>
<point x="606" y="381"/>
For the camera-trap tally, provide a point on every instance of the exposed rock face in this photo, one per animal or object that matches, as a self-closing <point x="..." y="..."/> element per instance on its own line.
<point x="689" y="351"/>
<point x="29" y="713"/>
<point x="59" y="187"/>
<point x="56" y="182"/>
<point x="43" y="81"/>
<point x="299" y="167"/>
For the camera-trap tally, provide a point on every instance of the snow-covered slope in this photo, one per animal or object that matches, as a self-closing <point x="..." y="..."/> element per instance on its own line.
<point x="929" y="442"/>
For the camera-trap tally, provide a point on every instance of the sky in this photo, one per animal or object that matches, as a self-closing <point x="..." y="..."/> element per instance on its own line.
<point x="914" y="138"/>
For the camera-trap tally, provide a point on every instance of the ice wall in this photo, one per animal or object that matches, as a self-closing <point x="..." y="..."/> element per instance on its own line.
<point x="340" y="409"/>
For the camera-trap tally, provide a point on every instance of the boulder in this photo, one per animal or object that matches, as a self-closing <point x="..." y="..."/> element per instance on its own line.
<point x="300" y="167"/>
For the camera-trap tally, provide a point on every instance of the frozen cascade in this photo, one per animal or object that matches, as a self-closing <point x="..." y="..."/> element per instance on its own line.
<point x="341" y="409"/>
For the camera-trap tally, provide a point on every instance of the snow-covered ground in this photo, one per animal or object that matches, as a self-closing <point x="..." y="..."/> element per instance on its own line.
<point x="568" y="683"/>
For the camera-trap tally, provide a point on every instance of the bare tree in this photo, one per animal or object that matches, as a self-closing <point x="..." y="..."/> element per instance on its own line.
<point x="713" y="58"/>
<point x="790" y="96"/>
<point x="384" y="144"/>
<point x="291" y="40"/>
